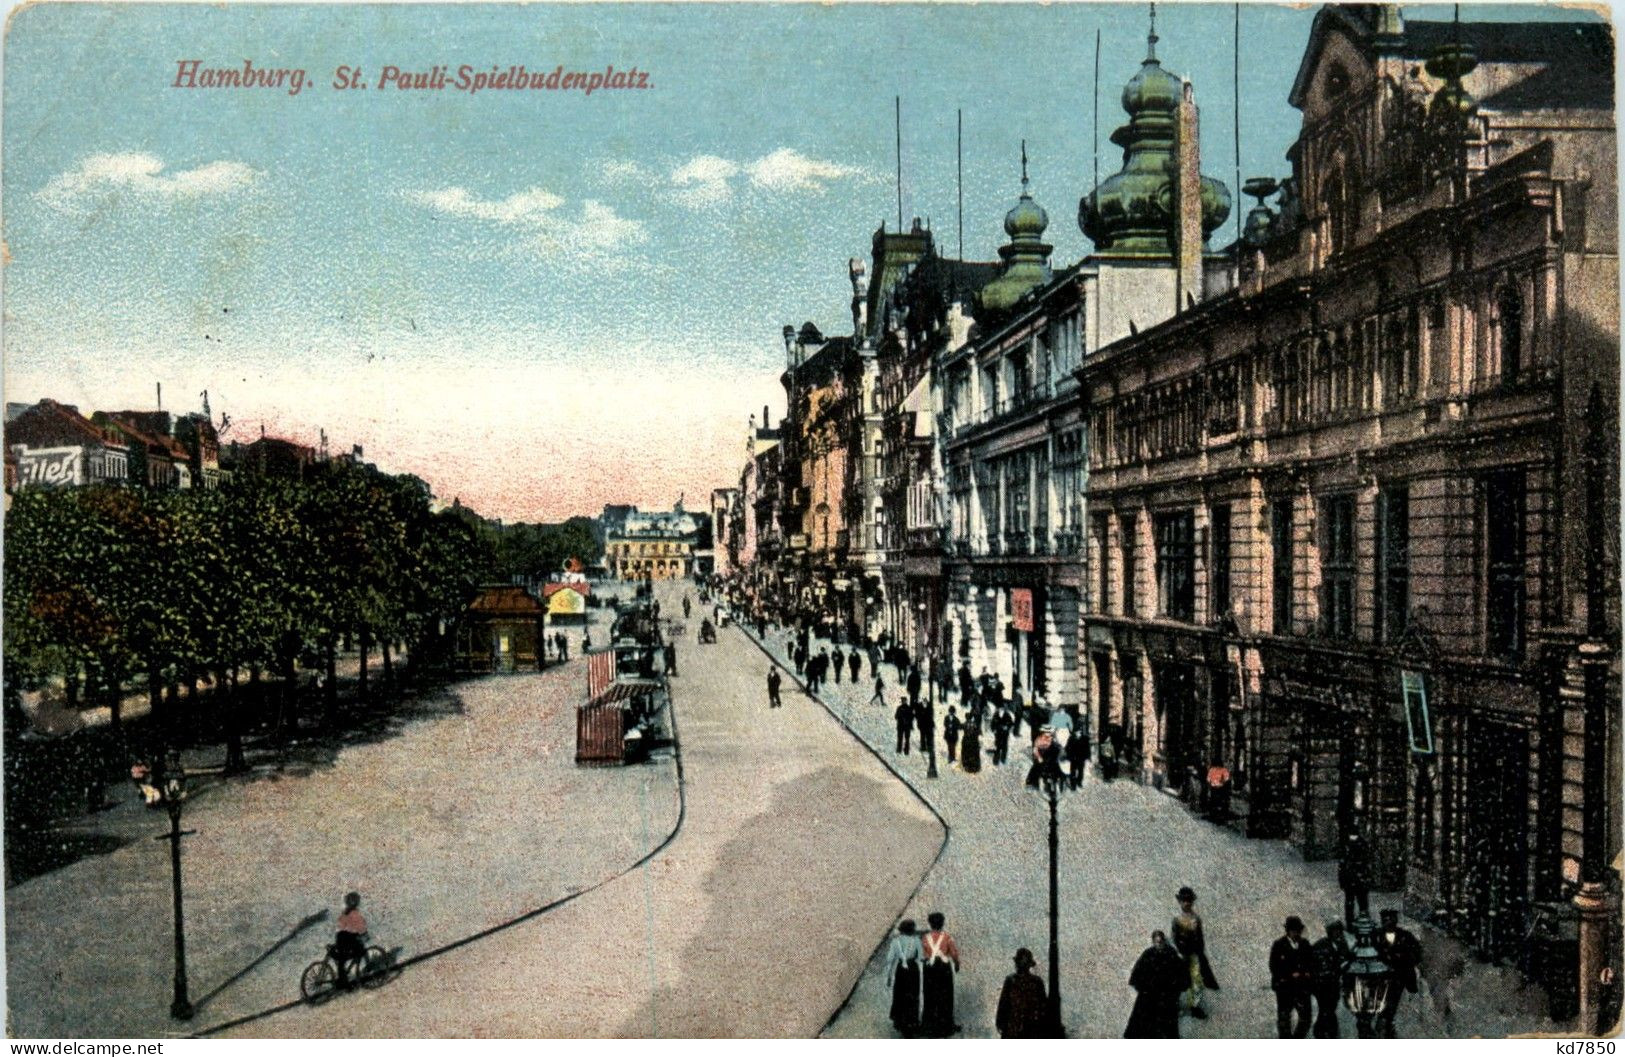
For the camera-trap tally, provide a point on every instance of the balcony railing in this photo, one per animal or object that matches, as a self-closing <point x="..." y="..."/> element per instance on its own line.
<point x="960" y="548"/>
<point x="926" y="538"/>
<point x="992" y="546"/>
<point x="1069" y="541"/>
<point x="1040" y="539"/>
<point x="1016" y="542"/>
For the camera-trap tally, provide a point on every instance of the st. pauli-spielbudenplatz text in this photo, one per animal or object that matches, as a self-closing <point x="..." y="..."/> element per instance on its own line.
<point x="192" y="73"/>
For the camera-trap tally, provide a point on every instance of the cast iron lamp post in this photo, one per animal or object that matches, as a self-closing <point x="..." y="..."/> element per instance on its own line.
<point x="1050" y="775"/>
<point x="171" y="784"/>
<point x="931" y="691"/>
<point x="1366" y="979"/>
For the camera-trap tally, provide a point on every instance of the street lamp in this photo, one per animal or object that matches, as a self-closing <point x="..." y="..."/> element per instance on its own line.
<point x="1049" y="773"/>
<point x="171" y="784"/>
<point x="1366" y="979"/>
<point x="931" y="692"/>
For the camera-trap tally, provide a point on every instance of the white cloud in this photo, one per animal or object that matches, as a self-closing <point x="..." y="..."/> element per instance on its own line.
<point x="703" y="180"/>
<point x="521" y="207"/>
<point x="707" y="180"/>
<point x="591" y="234"/>
<point x="787" y="169"/>
<point x="141" y="176"/>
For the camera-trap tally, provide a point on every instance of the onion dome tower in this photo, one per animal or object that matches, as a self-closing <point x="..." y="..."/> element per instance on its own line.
<point x="1131" y="213"/>
<point x="1026" y="256"/>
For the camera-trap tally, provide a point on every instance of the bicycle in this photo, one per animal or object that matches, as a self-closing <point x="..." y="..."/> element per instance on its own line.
<point x="320" y="979"/>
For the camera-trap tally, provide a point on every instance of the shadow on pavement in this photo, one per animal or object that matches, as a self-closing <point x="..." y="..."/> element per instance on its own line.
<point x="319" y="916"/>
<point x="760" y="908"/>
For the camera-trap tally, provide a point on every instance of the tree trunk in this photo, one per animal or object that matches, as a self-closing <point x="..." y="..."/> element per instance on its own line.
<point x="389" y="667"/>
<point x="155" y="690"/>
<point x="365" y="639"/>
<point x="70" y="684"/>
<point x="113" y="692"/>
<point x="235" y="763"/>
<point x="330" y="692"/>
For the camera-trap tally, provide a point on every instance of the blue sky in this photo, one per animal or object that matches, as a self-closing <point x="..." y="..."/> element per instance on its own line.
<point x="540" y="301"/>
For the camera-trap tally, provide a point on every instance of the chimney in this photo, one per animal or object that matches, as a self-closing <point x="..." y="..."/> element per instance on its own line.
<point x="764" y="416"/>
<point x="160" y="396"/>
<point x="1188" y="199"/>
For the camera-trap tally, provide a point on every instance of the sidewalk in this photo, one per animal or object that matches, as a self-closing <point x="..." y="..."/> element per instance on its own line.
<point x="1125" y="849"/>
<point x="455" y="814"/>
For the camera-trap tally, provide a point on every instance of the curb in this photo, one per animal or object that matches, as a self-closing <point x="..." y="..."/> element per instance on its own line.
<point x="947" y="830"/>
<point x="682" y="816"/>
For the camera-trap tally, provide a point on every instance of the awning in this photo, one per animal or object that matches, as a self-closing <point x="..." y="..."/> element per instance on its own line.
<point x="618" y="692"/>
<point x="919" y="402"/>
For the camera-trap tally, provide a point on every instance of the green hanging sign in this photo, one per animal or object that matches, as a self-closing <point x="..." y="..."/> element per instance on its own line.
<point x="1413" y="686"/>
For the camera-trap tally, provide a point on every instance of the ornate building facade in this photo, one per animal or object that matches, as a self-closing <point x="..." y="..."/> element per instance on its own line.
<point x="1354" y="525"/>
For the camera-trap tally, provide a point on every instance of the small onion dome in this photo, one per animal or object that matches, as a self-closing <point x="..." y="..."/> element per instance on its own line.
<point x="1153" y="89"/>
<point x="1026" y="256"/>
<point x="1027" y="218"/>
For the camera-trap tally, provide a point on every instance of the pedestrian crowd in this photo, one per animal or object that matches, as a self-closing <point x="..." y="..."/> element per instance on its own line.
<point x="1172" y="978"/>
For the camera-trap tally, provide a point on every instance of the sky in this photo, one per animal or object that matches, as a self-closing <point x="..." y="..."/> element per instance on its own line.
<point x="542" y="301"/>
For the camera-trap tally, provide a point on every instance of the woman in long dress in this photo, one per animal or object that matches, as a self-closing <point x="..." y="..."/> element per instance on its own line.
<point x="970" y="749"/>
<point x="941" y="956"/>
<point x="903" y="977"/>
<point x="1159" y="977"/>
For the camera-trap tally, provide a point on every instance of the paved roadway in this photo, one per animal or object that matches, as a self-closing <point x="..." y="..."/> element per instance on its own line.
<point x="456" y="814"/>
<point x="796" y="854"/>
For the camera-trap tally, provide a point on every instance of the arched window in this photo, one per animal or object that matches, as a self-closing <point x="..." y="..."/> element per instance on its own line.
<point x="1509" y="313"/>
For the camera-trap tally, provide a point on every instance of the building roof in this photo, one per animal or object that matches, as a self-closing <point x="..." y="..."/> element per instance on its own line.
<point x="505" y="600"/>
<point x="582" y="589"/>
<point x="1579" y="55"/>
<point x="49" y="424"/>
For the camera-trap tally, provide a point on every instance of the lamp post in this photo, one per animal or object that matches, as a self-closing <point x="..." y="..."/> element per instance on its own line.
<point x="931" y="692"/>
<point x="171" y="783"/>
<point x="1049" y="774"/>
<point x="1366" y="979"/>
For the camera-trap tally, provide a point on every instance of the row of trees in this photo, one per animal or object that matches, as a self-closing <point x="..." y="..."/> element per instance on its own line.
<point x="533" y="552"/>
<point x="105" y="585"/>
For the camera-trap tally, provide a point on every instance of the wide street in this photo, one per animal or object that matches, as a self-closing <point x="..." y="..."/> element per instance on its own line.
<point x="790" y="852"/>
<point x="796" y="852"/>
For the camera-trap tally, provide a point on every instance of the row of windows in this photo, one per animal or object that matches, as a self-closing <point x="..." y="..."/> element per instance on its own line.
<point x="1362" y="367"/>
<point x="1501" y="545"/>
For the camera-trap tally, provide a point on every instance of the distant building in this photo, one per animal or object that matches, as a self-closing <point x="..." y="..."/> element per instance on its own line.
<point x="501" y="631"/>
<point x="55" y="446"/>
<point x="659" y="546"/>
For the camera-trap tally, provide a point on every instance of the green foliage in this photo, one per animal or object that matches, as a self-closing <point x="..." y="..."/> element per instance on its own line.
<point x="191" y="581"/>
<point x="535" y="552"/>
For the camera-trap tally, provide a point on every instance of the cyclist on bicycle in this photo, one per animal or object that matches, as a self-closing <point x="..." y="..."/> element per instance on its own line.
<point x="349" y="944"/>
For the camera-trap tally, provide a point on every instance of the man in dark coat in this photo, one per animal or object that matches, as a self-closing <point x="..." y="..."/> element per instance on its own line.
<point x="925" y="719"/>
<point x="773" y="688"/>
<point x="1023" y="1003"/>
<point x="1331" y="954"/>
<point x="1292" y="976"/>
<point x="1077" y="755"/>
<point x="1354" y="878"/>
<point x="855" y="662"/>
<point x="1403" y="953"/>
<point x="1001" y="736"/>
<point x="800" y="657"/>
<point x="966" y="686"/>
<point x="905" y="724"/>
<point x="951" y="728"/>
<point x="913" y="685"/>
<point x="1191" y="944"/>
<point x="839" y="660"/>
<point x="1158" y="978"/>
